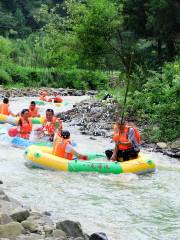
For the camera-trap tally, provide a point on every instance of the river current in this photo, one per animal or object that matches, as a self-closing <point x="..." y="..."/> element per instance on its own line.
<point x="126" y="207"/>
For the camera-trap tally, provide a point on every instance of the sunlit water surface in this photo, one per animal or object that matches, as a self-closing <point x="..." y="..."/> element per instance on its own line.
<point x="126" y="207"/>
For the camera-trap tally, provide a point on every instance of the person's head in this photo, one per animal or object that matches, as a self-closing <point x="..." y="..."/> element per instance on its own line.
<point x="49" y="114"/>
<point x="25" y="113"/>
<point x="32" y="105"/>
<point x="43" y="93"/>
<point x="6" y="100"/>
<point x="55" y="93"/>
<point x="65" y="134"/>
<point x="121" y="123"/>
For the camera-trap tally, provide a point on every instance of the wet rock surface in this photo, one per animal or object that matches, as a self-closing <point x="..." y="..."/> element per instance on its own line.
<point x="17" y="222"/>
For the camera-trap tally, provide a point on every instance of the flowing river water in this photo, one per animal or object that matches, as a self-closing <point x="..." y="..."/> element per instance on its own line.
<point x="126" y="207"/>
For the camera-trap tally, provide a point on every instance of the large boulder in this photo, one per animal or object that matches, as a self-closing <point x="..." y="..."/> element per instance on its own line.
<point x="11" y="230"/>
<point x="20" y="215"/>
<point x="175" y="144"/>
<point x="30" y="226"/>
<point x="57" y="233"/>
<point x="71" y="228"/>
<point x="48" y="230"/>
<point x="161" y="145"/>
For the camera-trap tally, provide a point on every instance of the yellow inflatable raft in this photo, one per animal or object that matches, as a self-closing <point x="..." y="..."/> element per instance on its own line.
<point x="14" y="120"/>
<point x="42" y="157"/>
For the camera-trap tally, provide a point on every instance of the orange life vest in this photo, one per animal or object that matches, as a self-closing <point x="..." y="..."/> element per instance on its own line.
<point x="4" y="109"/>
<point x="58" y="99"/>
<point x="123" y="137"/>
<point x="34" y="113"/>
<point x="50" y="126"/>
<point x="59" y="148"/>
<point x="25" y="128"/>
<point x="43" y="98"/>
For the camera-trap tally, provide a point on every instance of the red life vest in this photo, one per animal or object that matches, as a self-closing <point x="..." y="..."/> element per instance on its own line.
<point x="50" y="126"/>
<point x="4" y="109"/>
<point x="25" y="128"/>
<point x="34" y="113"/>
<point x="59" y="148"/>
<point x="58" y="99"/>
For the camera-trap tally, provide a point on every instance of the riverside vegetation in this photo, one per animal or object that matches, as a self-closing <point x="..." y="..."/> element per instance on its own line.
<point x="100" y="45"/>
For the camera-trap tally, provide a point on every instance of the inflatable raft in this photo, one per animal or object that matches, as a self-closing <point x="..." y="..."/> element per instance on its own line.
<point x="41" y="103"/>
<point x="14" y="120"/>
<point x="42" y="157"/>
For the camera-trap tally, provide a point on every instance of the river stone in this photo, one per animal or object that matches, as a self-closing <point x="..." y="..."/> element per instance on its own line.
<point x="48" y="230"/>
<point x="57" y="233"/>
<point x="30" y="226"/>
<point x="4" y="218"/>
<point x="12" y="229"/>
<point x="176" y="144"/>
<point x="161" y="145"/>
<point x="72" y="229"/>
<point x="20" y="215"/>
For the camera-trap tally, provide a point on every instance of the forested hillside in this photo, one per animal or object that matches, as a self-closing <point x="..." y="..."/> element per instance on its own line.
<point x="83" y="44"/>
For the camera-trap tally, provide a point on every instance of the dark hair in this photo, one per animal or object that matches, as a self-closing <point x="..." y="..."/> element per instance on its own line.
<point x="5" y="100"/>
<point x="50" y="110"/>
<point x="24" y="110"/>
<point x="33" y="103"/>
<point x="65" y="134"/>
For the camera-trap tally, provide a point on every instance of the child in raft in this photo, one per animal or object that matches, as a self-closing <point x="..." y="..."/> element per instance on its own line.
<point x="62" y="146"/>
<point x="33" y="110"/>
<point x="5" y="109"/>
<point x="24" y="125"/>
<point x="43" y="96"/>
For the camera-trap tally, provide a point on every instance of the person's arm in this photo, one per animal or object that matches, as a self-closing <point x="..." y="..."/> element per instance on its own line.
<point x="76" y="153"/>
<point x="114" y="155"/>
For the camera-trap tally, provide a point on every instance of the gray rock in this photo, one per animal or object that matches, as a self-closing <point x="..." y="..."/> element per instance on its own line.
<point x="12" y="229"/>
<point x="48" y="230"/>
<point x="72" y="229"/>
<point x="176" y="144"/>
<point x="57" y="233"/>
<point x="30" y="226"/>
<point x="161" y="145"/>
<point x="20" y="215"/>
<point x="4" y="218"/>
<point x="1" y="182"/>
<point x="40" y="220"/>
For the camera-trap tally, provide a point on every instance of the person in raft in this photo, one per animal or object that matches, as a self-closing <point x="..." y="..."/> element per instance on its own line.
<point x="62" y="146"/>
<point x="49" y="127"/>
<point x="5" y="109"/>
<point x="43" y="96"/>
<point x="24" y="124"/>
<point x="33" y="110"/>
<point x="127" y="140"/>
<point x="57" y="98"/>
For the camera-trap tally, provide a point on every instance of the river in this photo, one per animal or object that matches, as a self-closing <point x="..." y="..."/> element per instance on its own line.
<point x="126" y="207"/>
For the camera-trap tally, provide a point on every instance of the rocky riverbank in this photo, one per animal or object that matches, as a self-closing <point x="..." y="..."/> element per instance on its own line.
<point x="19" y="222"/>
<point x="34" y="92"/>
<point x="96" y="118"/>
